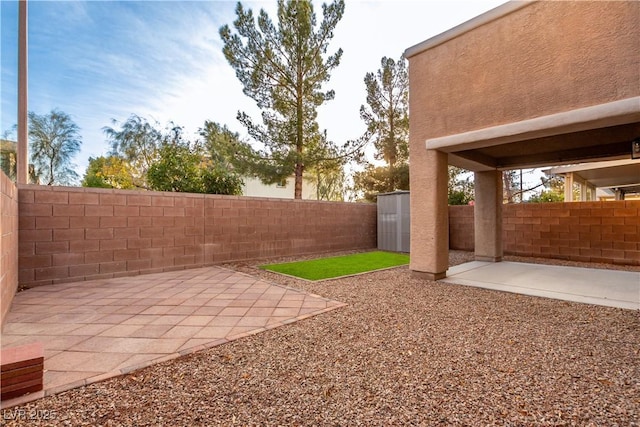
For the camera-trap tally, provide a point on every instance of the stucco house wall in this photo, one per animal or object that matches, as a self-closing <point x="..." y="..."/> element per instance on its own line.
<point x="253" y="187"/>
<point x="520" y="61"/>
<point x="543" y="58"/>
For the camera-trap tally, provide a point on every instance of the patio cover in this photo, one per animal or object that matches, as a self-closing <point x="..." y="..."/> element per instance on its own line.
<point x="527" y="84"/>
<point x="622" y="175"/>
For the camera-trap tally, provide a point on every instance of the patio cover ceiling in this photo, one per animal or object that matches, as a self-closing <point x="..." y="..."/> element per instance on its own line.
<point x="612" y="174"/>
<point x="601" y="132"/>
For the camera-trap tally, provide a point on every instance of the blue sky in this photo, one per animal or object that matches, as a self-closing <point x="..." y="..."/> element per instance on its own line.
<point x="104" y="60"/>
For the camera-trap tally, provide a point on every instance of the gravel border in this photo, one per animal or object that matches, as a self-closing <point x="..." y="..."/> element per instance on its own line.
<point x="405" y="351"/>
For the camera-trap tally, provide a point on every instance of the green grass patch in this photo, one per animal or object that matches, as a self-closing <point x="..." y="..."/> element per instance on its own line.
<point x="327" y="268"/>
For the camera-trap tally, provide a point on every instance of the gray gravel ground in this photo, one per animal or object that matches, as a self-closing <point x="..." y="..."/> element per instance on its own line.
<point x="404" y="352"/>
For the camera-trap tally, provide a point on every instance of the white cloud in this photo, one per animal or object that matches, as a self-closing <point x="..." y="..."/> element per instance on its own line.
<point x="103" y="60"/>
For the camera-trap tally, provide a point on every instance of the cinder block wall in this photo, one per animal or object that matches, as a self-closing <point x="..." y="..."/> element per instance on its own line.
<point x="581" y="231"/>
<point x="8" y="244"/>
<point x="461" y="228"/>
<point x="69" y="234"/>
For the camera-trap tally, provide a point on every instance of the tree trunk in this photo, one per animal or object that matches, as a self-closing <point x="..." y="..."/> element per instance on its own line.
<point x="51" y="180"/>
<point x="299" y="126"/>
<point x="298" y="182"/>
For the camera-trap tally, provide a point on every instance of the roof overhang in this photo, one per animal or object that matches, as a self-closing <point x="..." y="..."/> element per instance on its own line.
<point x="465" y="27"/>
<point x="591" y="133"/>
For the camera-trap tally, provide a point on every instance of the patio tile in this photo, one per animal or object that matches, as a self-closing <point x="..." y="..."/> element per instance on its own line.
<point x="54" y="379"/>
<point x="61" y="342"/>
<point x="219" y="302"/>
<point x="101" y="300"/>
<point x="213" y="332"/>
<point x="151" y="331"/>
<point x="241" y="303"/>
<point x="224" y="321"/>
<point x="260" y="311"/>
<point x="289" y="303"/>
<point x="16" y="340"/>
<point x="229" y="295"/>
<point x="147" y="301"/>
<point x="210" y="293"/>
<point x="91" y="329"/>
<point x="272" y="303"/>
<point x="106" y="309"/>
<point x="234" y="311"/>
<point x="141" y="319"/>
<point x="169" y="319"/>
<point x="26" y="308"/>
<point x="196" y="321"/>
<point x="174" y="301"/>
<point x="185" y="310"/>
<point x="132" y="309"/>
<point x="197" y="301"/>
<point x="157" y="309"/>
<point x="293" y="296"/>
<point x="120" y="331"/>
<point x="85" y="361"/>
<point x="317" y="304"/>
<point x="39" y="328"/>
<point x="194" y="342"/>
<point x="164" y="345"/>
<point x="208" y="311"/>
<point x="242" y="331"/>
<point x="249" y="296"/>
<point x="276" y="292"/>
<point x="112" y="345"/>
<point x="182" y="332"/>
<point x="53" y="342"/>
<point x="138" y="359"/>
<point x="253" y="321"/>
<point x="76" y="316"/>
<point x="50" y="353"/>
<point x="277" y="320"/>
<point x="305" y="311"/>
<point x="113" y="318"/>
<point x="286" y="311"/>
<point x="96" y="328"/>
<point x="16" y="317"/>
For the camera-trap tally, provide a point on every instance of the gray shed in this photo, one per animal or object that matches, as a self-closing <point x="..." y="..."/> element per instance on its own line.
<point x="393" y="221"/>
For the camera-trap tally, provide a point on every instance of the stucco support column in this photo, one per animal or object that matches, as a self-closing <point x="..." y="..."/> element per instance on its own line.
<point x="488" y="216"/>
<point x="430" y="217"/>
<point x="568" y="187"/>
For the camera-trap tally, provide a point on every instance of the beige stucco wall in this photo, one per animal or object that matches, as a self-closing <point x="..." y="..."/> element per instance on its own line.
<point x="545" y="58"/>
<point x="540" y="59"/>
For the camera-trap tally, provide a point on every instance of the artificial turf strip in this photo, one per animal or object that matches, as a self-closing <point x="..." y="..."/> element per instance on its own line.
<point x="327" y="268"/>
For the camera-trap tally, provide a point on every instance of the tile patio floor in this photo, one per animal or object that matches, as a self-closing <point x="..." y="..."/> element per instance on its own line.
<point x="103" y="328"/>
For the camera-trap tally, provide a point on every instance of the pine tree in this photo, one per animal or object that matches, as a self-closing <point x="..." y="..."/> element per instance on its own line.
<point x="283" y="68"/>
<point x="387" y="118"/>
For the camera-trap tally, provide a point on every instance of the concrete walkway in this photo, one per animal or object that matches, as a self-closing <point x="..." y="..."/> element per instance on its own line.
<point x="103" y="328"/>
<point x="612" y="288"/>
